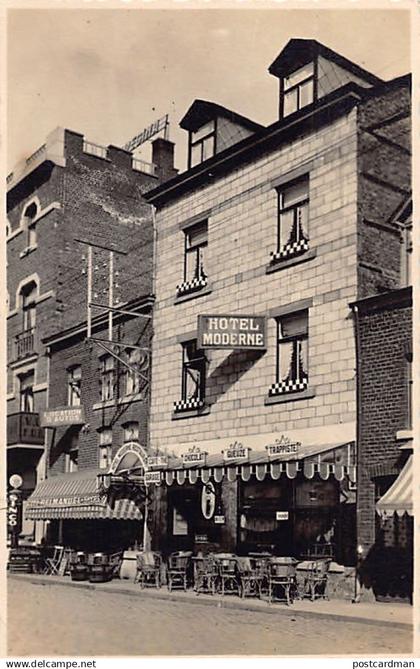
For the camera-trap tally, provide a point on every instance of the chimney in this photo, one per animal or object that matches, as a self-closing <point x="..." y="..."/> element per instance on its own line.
<point x="163" y="158"/>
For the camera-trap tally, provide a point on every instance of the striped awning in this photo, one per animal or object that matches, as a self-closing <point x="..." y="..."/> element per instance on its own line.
<point x="399" y="498"/>
<point x="77" y="496"/>
<point x="338" y="460"/>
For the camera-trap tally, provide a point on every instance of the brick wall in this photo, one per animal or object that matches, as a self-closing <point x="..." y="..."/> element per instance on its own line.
<point x="76" y="351"/>
<point x="92" y="198"/>
<point x="384" y="166"/>
<point x="385" y="332"/>
<point x="242" y="232"/>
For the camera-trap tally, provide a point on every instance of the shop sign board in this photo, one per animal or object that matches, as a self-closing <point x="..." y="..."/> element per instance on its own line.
<point x="157" y="461"/>
<point x="219" y="520"/>
<point x="194" y="456"/>
<point x="15" y="480"/>
<point x="14" y="512"/>
<point x="201" y="538"/>
<point x="62" y="416"/>
<point x="235" y="332"/>
<point x="236" y="451"/>
<point x="128" y="456"/>
<point x="152" y="477"/>
<point x="283" y="446"/>
<point x="282" y="515"/>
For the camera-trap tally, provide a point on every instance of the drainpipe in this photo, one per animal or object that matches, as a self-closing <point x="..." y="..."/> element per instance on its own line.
<point x="359" y="548"/>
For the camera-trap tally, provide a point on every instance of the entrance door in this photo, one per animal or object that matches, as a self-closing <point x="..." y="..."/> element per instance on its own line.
<point x="182" y="509"/>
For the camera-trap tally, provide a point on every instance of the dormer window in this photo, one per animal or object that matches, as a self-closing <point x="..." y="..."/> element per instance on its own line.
<point x="298" y="89"/>
<point x="202" y="144"/>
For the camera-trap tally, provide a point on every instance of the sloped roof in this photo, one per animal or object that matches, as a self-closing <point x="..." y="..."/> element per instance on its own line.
<point x="297" y="52"/>
<point x="202" y="111"/>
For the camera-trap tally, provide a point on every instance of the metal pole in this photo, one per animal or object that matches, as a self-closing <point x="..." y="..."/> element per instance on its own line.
<point x="146" y="546"/>
<point x="89" y="292"/>
<point x="111" y="292"/>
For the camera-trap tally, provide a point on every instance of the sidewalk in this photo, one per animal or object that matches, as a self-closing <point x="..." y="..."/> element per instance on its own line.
<point x="397" y="615"/>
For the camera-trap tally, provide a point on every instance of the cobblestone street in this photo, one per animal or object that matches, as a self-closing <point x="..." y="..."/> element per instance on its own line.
<point x="51" y="620"/>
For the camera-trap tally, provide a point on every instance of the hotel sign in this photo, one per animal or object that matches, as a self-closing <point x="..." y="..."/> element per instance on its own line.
<point x="235" y="332"/>
<point x="236" y="451"/>
<point x="194" y="456"/>
<point x="283" y="446"/>
<point x="62" y="416"/>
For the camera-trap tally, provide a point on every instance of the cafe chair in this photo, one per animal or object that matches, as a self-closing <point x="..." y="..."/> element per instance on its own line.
<point x="282" y="579"/>
<point x="148" y="572"/>
<point x="315" y="584"/>
<point x="228" y="580"/>
<point x="177" y="570"/>
<point x="205" y="574"/>
<point x="52" y="564"/>
<point x="251" y="576"/>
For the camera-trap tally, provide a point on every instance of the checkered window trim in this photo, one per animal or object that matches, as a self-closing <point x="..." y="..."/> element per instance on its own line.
<point x="190" y="286"/>
<point x="187" y="405"/>
<point x="288" y="386"/>
<point x="290" y="250"/>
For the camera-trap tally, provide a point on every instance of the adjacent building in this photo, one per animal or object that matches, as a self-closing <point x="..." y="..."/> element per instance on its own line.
<point x="69" y="196"/>
<point x="262" y="243"/>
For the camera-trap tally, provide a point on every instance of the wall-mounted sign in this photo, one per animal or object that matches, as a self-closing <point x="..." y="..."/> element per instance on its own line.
<point x="282" y="515"/>
<point x="236" y="451"/>
<point x="62" y="416"/>
<point x="157" y="461"/>
<point x="283" y="446"/>
<point x="130" y="456"/>
<point x="201" y="538"/>
<point x="15" y="480"/>
<point x="219" y="520"/>
<point x="14" y="512"/>
<point x="152" y="477"/>
<point x="194" y="456"/>
<point x="238" y="332"/>
<point x="208" y="500"/>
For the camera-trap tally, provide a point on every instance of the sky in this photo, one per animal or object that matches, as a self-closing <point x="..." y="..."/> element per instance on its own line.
<point x="108" y="73"/>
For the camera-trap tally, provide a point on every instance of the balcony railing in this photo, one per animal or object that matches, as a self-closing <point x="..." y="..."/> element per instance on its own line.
<point x="140" y="165"/>
<point x="25" y="344"/>
<point x="24" y="428"/>
<point x="95" y="149"/>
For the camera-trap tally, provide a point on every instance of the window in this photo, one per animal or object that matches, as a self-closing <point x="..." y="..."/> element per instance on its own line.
<point x="107" y="377"/>
<point x="131" y="431"/>
<point x="72" y="455"/>
<point x="195" y="276"/>
<point x="26" y="391"/>
<point x="28" y="301"/>
<point x="298" y="89"/>
<point x="74" y="381"/>
<point x="139" y="362"/>
<point x="105" y="447"/>
<point x="292" y="221"/>
<point x="193" y="377"/>
<point x="202" y="144"/>
<point x="29" y="225"/>
<point x="292" y="354"/>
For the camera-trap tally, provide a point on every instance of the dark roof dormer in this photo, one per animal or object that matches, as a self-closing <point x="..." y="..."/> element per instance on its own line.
<point x="213" y="128"/>
<point x="308" y="71"/>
